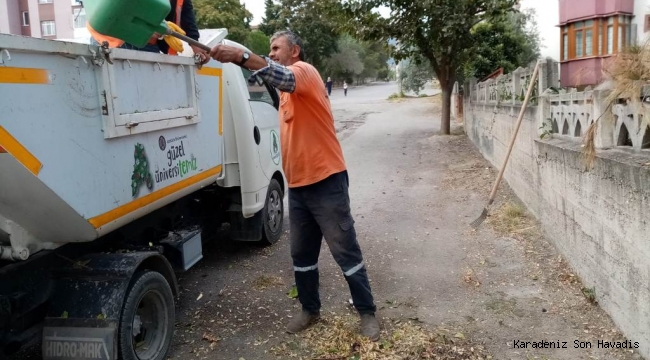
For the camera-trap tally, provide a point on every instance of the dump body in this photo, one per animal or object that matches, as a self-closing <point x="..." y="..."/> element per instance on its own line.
<point x="89" y="146"/>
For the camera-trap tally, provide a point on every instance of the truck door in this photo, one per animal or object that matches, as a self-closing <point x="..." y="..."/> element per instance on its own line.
<point x="264" y="102"/>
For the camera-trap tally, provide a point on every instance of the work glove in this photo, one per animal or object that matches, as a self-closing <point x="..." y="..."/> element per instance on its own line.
<point x="173" y="42"/>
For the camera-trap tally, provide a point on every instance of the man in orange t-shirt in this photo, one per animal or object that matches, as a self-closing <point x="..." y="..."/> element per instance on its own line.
<point x="318" y="181"/>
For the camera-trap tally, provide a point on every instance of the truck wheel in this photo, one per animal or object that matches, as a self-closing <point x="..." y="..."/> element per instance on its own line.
<point x="273" y="214"/>
<point x="147" y="321"/>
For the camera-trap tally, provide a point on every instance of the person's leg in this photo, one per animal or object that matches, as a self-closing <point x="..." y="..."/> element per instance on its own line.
<point x="330" y="204"/>
<point x="306" y="238"/>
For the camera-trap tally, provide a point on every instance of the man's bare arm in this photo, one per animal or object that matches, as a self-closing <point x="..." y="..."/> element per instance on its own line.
<point x="231" y="54"/>
<point x="273" y="73"/>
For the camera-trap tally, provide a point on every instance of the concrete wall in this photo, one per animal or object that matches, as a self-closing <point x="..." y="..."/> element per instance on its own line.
<point x="598" y="219"/>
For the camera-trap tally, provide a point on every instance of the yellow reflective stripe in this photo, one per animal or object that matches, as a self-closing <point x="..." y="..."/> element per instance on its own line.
<point x="208" y="71"/>
<point x="18" y="151"/>
<point x="14" y="75"/>
<point x="103" y="219"/>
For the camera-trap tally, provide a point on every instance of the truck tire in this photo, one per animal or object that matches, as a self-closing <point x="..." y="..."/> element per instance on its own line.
<point x="147" y="320"/>
<point x="273" y="214"/>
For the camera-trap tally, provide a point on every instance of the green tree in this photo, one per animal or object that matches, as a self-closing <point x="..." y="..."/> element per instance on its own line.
<point x="438" y="30"/>
<point x="229" y="14"/>
<point x="375" y="57"/>
<point x="346" y="62"/>
<point x="415" y="73"/>
<point x="317" y="22"/>
<point x="358" y="60"/>
<point x="506" y="44"/>
<point x="271" y="21"/>
<point x="258" y="42"/>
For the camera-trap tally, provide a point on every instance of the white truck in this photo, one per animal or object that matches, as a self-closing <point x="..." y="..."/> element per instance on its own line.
<point x="115" y="166"/>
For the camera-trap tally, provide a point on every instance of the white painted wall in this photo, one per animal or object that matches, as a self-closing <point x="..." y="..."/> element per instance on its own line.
<point x="63" y="17"/>
<point x="4" y="17"/>
<point x="641" y="8"/>
<point x="34" y="18"/>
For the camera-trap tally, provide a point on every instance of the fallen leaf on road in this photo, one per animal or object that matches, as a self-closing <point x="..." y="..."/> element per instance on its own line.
<point x="293" y="293"/>
<point x="200" y="296"/>
<point x="460" y="336"/>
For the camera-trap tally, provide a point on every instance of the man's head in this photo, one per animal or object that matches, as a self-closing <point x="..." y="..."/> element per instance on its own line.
<point x="286" y="48"/>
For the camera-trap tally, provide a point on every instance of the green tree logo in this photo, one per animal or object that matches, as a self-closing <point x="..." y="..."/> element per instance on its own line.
<point x="141" y="174"/>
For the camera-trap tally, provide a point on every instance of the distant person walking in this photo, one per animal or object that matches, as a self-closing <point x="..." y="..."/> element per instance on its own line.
<point x="329" y="86"/>
<point x="345" y="88"/>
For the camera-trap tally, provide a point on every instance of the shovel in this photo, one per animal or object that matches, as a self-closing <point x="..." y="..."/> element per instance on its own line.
<point x="476" y="223"/>
<point x="133" y="21"/>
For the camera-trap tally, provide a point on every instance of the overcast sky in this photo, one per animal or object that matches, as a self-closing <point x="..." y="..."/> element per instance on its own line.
<point x="547" y="19"/>
<point x="548" y="16"/>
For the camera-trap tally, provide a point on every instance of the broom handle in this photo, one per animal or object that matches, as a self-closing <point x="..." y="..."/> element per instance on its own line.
<point x="514" y="134"/>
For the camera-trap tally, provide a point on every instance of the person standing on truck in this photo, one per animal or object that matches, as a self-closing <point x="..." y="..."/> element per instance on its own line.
<point x="182" y="14"/>
<point x="313" y="163"/>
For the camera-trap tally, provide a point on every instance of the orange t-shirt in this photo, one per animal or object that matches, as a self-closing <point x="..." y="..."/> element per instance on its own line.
<point x="311" y="152"/>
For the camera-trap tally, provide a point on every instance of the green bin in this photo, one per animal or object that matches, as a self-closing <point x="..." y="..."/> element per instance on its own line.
<point x="133" y="21"/>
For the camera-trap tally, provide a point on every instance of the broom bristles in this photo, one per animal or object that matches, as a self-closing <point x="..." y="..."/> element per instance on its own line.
<point x="629" y="72"/>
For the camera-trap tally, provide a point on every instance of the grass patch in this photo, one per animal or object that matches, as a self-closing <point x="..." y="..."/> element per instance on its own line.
<point x="266" y="281"/>
<point x="590" y="294"/>
<point x="337" y="337"/>
<point x="395" y="96"/>
<point x="511" y="218"/>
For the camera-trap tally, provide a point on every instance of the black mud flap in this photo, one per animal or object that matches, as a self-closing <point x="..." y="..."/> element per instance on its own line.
<point x="246" y="229"/>
<point x="80" y="339"/>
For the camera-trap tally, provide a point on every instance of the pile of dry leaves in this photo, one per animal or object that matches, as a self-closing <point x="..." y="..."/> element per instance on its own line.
<point x="337" y="338"/>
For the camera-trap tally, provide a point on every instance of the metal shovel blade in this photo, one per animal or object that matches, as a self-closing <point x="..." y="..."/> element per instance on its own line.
<point x="476" y="223"/>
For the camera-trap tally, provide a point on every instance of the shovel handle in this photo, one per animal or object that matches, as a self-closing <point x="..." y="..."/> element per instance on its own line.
<point x="188" y="40"/>
<point x="513" y="138"/>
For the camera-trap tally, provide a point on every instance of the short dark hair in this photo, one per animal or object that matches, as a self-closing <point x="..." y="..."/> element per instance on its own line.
<point x="293" y="39"/>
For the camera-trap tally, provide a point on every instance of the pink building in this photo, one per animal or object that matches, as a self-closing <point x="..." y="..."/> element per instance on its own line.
<point x="48" y="19"/>
<point x="593" y="31"/>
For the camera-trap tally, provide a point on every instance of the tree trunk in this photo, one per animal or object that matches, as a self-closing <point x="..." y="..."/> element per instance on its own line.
<point x="447" y="78"/>
<point x="445" y="125"/>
